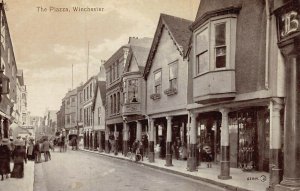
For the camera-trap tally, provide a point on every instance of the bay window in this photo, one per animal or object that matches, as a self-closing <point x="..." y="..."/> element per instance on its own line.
<point x="202" y="59"/>
<point x="215" y="46"/>
<point x="133" y="90"/>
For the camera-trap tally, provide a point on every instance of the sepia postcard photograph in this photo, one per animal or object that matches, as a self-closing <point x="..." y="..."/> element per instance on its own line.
<point x="150" y="95"/>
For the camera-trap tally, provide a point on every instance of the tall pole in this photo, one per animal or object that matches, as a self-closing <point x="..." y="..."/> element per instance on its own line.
<point x="72" y="77"/>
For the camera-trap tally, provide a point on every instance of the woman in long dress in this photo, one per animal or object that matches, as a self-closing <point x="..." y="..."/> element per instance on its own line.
<point x="19" y="156"/>
<point x="4" y="158"/>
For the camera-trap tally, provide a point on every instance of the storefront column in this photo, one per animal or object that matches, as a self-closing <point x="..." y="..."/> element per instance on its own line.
<point x="106" y="140"/>
<point x="169" y="142"/>
<point x="100" y="141"/>
<point x="138" y="130"/>
<point x="116" y="136"/>
<point x="125" y="138"/>
<point x="5" y="128"/>
<point x="151" y="140"/>
<point x="291" y="174"/>
<point x="288" y="30"/>
<point x="192" y="160"/>
<point x="91" y="141"/>
<point x="275" y="144"/>
<point x="225" y="152"/>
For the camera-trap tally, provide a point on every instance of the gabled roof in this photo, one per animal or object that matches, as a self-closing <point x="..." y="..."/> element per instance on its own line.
<point x="212" y="8"/>
<point x="101" y="85"/>
<point x="140" y="55"/>
<point x="206" y="6"/>
<point x="178" y="29"/>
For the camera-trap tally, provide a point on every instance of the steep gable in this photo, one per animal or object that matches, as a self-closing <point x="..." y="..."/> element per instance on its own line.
<point x="178" y="29"/>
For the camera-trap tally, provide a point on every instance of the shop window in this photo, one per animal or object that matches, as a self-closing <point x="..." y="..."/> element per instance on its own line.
<point x="157" y="82"/>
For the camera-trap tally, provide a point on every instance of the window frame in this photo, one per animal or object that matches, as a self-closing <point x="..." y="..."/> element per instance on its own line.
<point x="172" y="64"/>
<point x="230" y="21"/>
<point x="156" y="85"/>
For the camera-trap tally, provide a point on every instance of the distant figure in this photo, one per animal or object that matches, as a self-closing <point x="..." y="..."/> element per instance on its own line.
<point x="74" y="143"/>
<point x="19" y="156"/>
<point x="46" y="148"/>
<point x="4" y="158"/>
<point x="37" y="152"/>
<point x="30" y="153"/>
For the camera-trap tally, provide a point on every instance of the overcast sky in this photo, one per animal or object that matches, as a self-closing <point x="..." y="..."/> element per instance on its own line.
<point x="46" y="44"/>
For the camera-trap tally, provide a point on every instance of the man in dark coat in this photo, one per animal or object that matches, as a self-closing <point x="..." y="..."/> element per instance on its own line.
<point x="4" y="158"/>
<point x="37" y="152"/>
<point x="19" y="156"/>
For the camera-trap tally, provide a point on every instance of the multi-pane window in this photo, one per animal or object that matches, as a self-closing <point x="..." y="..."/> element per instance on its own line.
<point x="173" y="73"/>
<point x="220" y="45"/>
<point x="80" y="114"/>
<point x="157" y="82"/>
<point x="111" y="104"/>
<point x="91" y="90"/>
<point x="133" y="90"/>
<point x="202" y="59"/>
<point x="87" y="93"/>
<point x="118" y="102"/>
<point x="99" y="115"/>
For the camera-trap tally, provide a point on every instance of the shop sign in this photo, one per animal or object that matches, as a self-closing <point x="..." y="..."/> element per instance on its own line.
<point x="289" y="23"/>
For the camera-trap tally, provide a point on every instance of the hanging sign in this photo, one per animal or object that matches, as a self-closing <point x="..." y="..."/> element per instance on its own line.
<point x="288" y="21"/>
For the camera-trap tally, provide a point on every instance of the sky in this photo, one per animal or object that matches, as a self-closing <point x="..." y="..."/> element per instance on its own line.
<point x="47" y="43"/>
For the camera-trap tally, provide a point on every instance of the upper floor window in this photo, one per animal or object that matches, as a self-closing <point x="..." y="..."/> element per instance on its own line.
<point x="157" y="82"/>
<point x="215" y="45"/>
<point x="91" y="90"/>
<point x="80" y="97"/>
<point x="220" y="45"/>
<point x="202" y="63"/>
<point x="173" y="73"/>
<point x="133" y="90"/>
<point x="99" y="115"/>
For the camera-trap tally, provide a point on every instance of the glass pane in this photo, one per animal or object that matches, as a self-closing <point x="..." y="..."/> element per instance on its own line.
<point x="173" y="70"/>
<point x="157" y="78"/>
<point x="202" y="62"/>
<point x="220" y="30"/>
<point x="221" y="57"/>
<point x="173" y="83"/>
<point x="202" y="41"/>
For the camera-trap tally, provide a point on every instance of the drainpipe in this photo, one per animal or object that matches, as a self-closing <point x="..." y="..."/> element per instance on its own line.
<point x="267" y="45"/>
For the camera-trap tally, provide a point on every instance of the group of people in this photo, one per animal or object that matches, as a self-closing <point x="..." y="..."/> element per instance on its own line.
<point x="19" y="151"/>
<point x="15" y="151"/>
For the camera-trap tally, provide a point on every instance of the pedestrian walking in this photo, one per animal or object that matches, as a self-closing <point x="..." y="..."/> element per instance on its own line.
<point x="4" y="158"/>
<point x="19" y="156"/>
<point x="46" y="148"/>
<point x="37" y="152"/>
<point x="30" y="154"/>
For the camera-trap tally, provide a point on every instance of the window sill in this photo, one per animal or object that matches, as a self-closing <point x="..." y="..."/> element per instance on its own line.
<point x="155" y="96"/>
<point x="170" y="91"/>
<point x="213" y="71"/>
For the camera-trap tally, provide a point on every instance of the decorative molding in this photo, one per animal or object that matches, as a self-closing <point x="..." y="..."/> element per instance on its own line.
<point x="155" y="96"/>
<point x="170" y="91"/>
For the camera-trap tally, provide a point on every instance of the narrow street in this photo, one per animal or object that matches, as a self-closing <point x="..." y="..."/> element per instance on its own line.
<point x="82" y="171"/>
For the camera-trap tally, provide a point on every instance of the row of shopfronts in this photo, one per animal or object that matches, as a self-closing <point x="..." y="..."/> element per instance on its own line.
<point x="211" y="92"/>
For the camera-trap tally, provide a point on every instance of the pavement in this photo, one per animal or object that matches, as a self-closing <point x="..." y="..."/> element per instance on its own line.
<point x="241" y="181"/>
<point x="23" y="184"/>
<point x="86" y="171"/>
